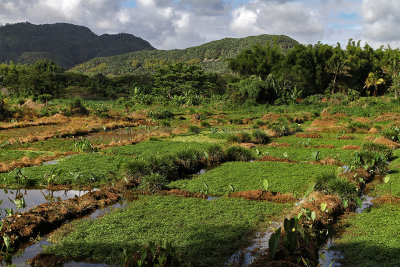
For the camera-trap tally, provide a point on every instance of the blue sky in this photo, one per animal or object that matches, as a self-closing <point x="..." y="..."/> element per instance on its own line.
<point x="182" y="23"/>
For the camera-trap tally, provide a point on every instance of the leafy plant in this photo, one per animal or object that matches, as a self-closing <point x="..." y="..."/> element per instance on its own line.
<point x="83" y="145"/>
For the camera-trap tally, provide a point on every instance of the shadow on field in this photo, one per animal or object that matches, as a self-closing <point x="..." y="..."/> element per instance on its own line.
<point x="369" y="255"/>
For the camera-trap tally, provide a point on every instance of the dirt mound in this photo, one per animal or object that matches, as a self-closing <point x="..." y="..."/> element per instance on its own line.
<point x="276" y="159"/>
<point x="373" y="130"/>
<point x="386" y="142"/>
<point x="324" y="146"/>
<point x="32" y="105"/>
<point x="45" y="260"/>
<point x="264" y="195"/>
<point x="351" y="147"/>
<point x="327" y="161"/>
<point x="363" y="120"/>
<point x="48" y="216"/>
<point x="181" y="193"/>
<point x="325" y="122"/>
<point x="248" y="145"/>
<point x="386" y="199"/>
<point x="271" y="117"/>
<point x="369" y="138"/>
<point x="309" y="135"/>
<point x="275" y="144"/>
<point x="345" y="137"/>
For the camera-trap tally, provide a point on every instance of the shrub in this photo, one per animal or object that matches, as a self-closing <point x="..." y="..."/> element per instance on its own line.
<point x="378" y="148"/>
<point x="45" y="97"/>
<point x="190" y="160"/>
<point x="372" y="161"/>
<point x="343" y="188"/>
<point x="153" y="182"/>
<point x="392" y="133"/>
<point x="322" y="181"/>
<point x="205" y="124"/>
<point x="233" y="139"/>
<point x="215" y="154"/>
<point x="194" y="130"/>
<point x="244" y="137"/>
<point x="354" y="126"/>
<point x="161" y="114"/>
<point x="236" y="153"/>
<point x="260" y="137"/>
<point x="76" y="107"/>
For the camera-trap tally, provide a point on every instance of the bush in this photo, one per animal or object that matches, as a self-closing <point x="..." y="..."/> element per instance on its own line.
<point x="236" y="153"/>
<point x="215" y="154"/>
<point x="378" y="148"/>
<point x="76" y="107"/>
<point x="354" y="126"/>
<point x="190" y="160"/>
<point x="372" y="161"/>
<point x="260" y="137"/>
<point x="392" y="133"/>
<point x="343" y="188"/>
<point x="322" y="181"/>
<point x="161" y="114"/>
<point x="205" y="124"/>
<point x="194" y="130"/>
<point x="244" y="137"/>
<point x="233" y="139"/>
<point x="153" y="182"/>
<point x="44" y="98"/>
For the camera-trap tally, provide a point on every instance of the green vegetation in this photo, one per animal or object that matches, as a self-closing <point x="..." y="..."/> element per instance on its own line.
<point x="66" y="44"/>
<point x="84" y="169"/>
<point x="210" y="56"/>
<point x="282" y="177"/>
<point x="204" y="233"/>
<point x="371" y="237"/>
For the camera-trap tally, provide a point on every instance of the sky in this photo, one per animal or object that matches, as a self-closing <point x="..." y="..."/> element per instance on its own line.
<point x="169" y="24"/>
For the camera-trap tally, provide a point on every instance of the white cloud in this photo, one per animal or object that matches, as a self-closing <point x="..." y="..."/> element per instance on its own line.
<point x="292" y="18"/>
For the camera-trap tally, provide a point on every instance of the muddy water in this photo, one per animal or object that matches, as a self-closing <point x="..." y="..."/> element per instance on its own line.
<point x="260" y="244"/>
<point x="33" y="198"/>
<point x="330" y="255"/>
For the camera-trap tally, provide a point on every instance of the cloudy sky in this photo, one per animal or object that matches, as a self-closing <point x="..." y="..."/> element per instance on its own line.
<point x="170" y="24"/>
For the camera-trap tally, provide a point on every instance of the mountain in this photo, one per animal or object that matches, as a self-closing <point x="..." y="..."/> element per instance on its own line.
<point x="211" y="56"/>
<point x="66" y="44"/>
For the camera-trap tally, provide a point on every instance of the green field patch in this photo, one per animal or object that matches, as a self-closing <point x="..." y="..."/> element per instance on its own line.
<point x="327" y="139"/>
<point x="201" y="138"/>
<point x="152" y="148"/>
<point x="204" y="232"/>
<point x="282" y="177"/>
<point x="84" y="169"/>
<point x="7" y="156"/>
<point x="52" y="144"/>
<point x="372" y="238"/>
<point x="393" y="184"/>
<point x="306" y="154"/>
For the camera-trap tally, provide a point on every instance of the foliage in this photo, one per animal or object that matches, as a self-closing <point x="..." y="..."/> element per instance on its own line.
<point x="392" y="133"/>
<point x="378" y="148"/>
<point x="237" y="153"/>
<point x="153" y="182"/>
<point x="224" y="223"/>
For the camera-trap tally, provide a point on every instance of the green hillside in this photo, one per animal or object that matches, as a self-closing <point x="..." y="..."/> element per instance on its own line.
<point x="66" y="44"/>
<point x="211" y="56"/>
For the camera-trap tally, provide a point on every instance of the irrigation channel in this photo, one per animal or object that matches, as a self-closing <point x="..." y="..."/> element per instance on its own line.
<point x="35" y="197"/>
<point x="331" y="257"/>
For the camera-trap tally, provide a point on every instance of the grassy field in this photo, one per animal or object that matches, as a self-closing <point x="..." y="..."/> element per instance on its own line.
<point x="204" y="232"/>
<point x="282" y="177"/>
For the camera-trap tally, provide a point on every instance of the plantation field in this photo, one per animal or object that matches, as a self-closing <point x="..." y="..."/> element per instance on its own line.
<point x="182" y="176"/>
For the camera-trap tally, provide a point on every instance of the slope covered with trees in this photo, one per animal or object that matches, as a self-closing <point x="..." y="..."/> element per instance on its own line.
<point x="212" y="56"/>
<point x="66" y="44"/>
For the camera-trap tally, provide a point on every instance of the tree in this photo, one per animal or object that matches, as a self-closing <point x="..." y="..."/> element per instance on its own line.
<point x="373" y="80"/>
<point x="338" y="67"/>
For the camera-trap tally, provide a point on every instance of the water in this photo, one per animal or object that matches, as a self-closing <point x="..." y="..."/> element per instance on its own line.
<point x="20" y="258"/>
<point x="51" y="162"/>
<point x="259" y="246"/>
<point x="212" y="198"/>
<point x="33" y="198"/>
<point x="330" y="254"/>
<point x="202" y="171"/>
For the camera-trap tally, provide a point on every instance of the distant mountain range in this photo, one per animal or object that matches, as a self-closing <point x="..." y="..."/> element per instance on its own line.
<point x="211" y="56"/>
<point x="66" y="44"/>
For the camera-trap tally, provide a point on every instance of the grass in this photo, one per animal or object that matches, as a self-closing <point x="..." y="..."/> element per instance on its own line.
<point x="151" y="148"/>
<point x="384" y="189"/>
<point x="282" y="177"/>
<point x="327" y="139"/>
<point x="53" y="144"/>
<point x="204" y="232"/>
<point x="372" y="238"/>
<point x="304" y="154"/>
<point x="7" y="156"/>
<point x="93" y="168"/>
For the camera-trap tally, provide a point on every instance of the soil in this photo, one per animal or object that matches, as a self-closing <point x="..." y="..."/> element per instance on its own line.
<point x="324" y="146"/>
<point x="265" y="195"/>
<point x="181" y="193"/>
<point x="309" y="135"/>
<point x="48" y="216"/>
<point x="386" y="199"/>
<point x="275" y="144"/>
<point x="351" y="147"/>
<point x="327" y="161"/>
<point x="248" y="145"/>
<point x="45" y="260"/>
<point x="276" y="159"/>
<point x="387" y="142"/>
<point x="271" y="117"/>
<point x="325" y="122"/>
<point x="345" y="137"/>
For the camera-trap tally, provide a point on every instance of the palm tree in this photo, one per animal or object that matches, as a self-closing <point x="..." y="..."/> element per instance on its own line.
<point x="373" y="80"/>
<point x="338" y="68"/>
<point x="393" y="70"/>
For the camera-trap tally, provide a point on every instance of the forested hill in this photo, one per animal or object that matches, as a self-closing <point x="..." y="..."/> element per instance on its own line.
<point x="66" y="44"/>
<point x="211" y="56"/>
